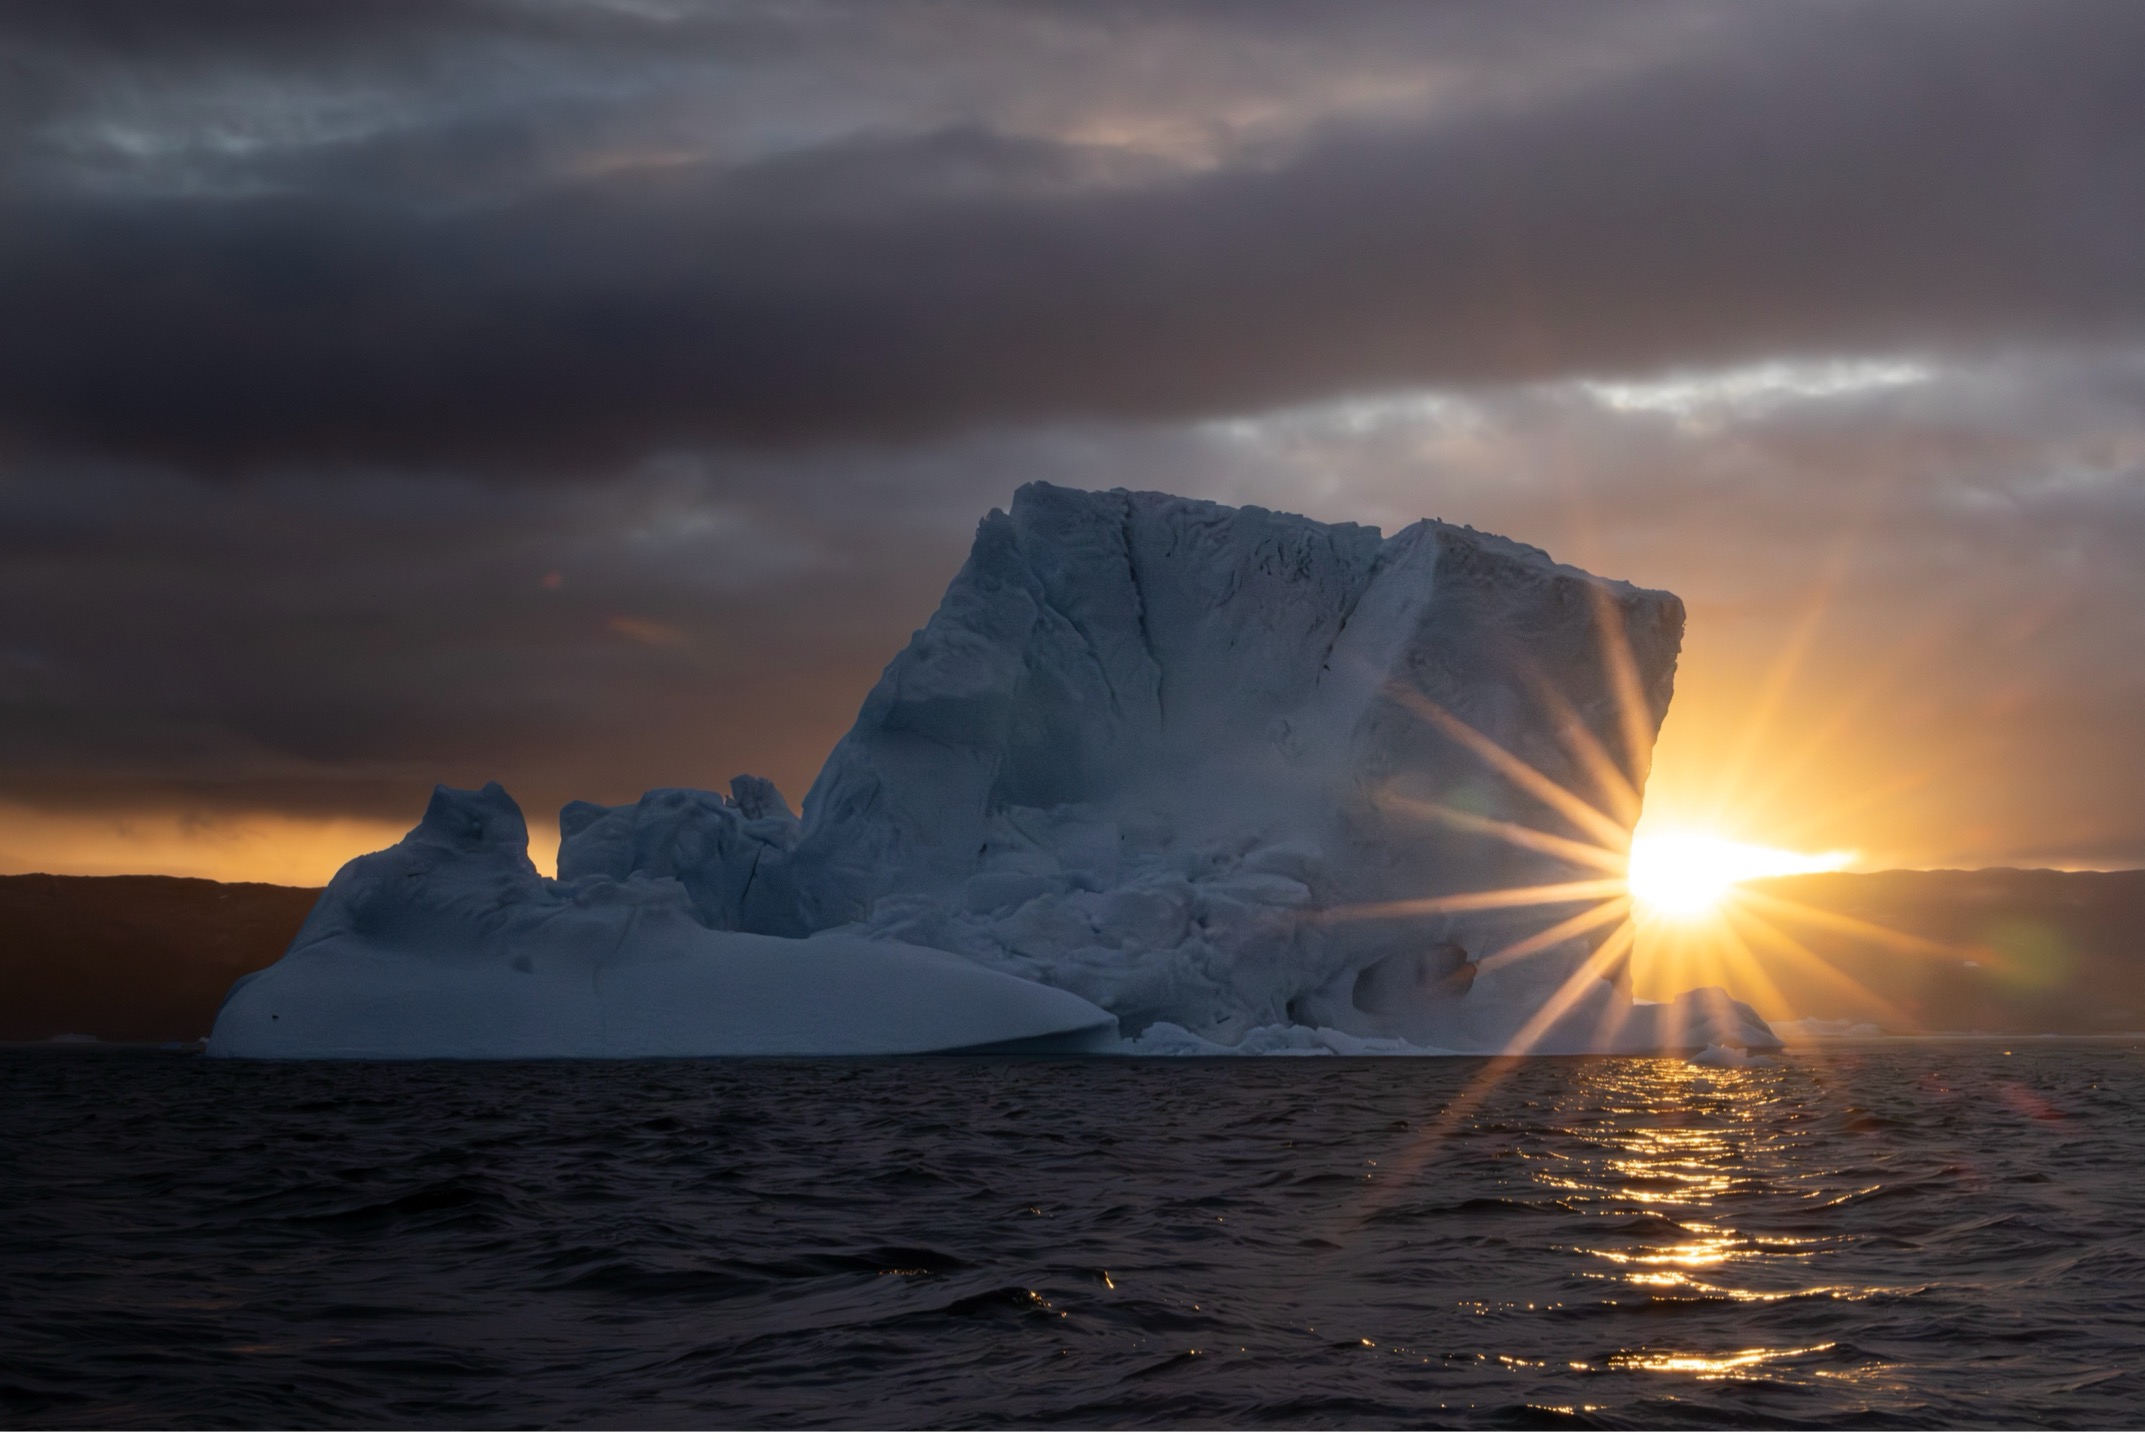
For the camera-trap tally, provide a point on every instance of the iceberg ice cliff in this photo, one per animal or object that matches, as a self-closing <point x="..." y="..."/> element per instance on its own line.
<point x="1211" y="779"/>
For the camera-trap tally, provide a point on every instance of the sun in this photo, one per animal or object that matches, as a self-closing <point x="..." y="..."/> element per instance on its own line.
<point x="1683" y="875"/>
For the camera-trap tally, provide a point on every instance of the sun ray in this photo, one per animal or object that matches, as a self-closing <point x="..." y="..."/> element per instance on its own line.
<point x="1903" y="781"/>
<point x="1829" y="818"/>
<point x="1630" y="695"/>
<point x="1772" y="691"/>
<point x="1526" y="897"/>
<point x="1614" y="1016"/>
<point x="1516" y="770"/>
<point x="1598" y="965"/>
<point x="1785" y="768"/>
<point x="1595" y="856"/>
<point x="1726" y="939"/>
<point x="1615" y="783"/>
<point x="1613" y="908"/>
<point x="1750" y="979"/>
<point x="1772" y="935"/>
<point x="1590" y="971"/>
<point x="1662" y="952"/>
<point x="1897" y="939"/>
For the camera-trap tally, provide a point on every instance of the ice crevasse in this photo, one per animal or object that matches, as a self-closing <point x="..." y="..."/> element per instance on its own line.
<point x="1159" y="775"/>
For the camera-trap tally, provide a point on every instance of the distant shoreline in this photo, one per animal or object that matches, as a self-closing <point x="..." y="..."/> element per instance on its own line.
<point x="147" y="959"/>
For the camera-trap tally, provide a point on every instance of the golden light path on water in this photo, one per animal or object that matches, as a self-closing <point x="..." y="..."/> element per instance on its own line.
<point x="1698" y="1161"/>
<point x="1729" y="1232"/>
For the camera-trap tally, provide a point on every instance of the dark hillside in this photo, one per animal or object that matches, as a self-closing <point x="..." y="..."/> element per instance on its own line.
<point x="133" y="957"/>
<point x="148" y="958"/>
<point x="2034" y="951"/>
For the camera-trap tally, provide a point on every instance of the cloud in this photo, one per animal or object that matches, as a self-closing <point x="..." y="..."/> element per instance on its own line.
<point x="336" y="647"/>
<point x="594" y="397"/>
<point x="1960" y="180"/>
<point x="222" y="93"/>
<point x="1909" y="602"/>
<point x="1968" y="549"/>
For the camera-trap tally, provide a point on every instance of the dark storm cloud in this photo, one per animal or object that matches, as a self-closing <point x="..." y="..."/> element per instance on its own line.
<point x="1817" y="179"/>
<point x="335" y="646"/>
<point x="1948" y="562"/>
<point x="326" y="646"/>
<point x="779" y="299"/>
<point x="249" y="94"/>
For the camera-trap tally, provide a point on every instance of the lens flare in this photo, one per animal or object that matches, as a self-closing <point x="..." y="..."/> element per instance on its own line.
<point x="1687" y="875"/>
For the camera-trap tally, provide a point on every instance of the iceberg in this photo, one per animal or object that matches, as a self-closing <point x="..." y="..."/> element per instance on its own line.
<point x="450" y="945"/>
<point x="1159" y="774"/>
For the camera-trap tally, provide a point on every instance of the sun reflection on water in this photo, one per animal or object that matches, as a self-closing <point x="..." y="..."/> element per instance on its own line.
<point x="1711" y="1366"/>
<point x="1731" y="1229"/>
<point x="1700" y="1190"/>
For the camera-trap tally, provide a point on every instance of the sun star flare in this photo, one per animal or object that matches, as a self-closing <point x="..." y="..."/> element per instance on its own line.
<point x="1684" y="875"/>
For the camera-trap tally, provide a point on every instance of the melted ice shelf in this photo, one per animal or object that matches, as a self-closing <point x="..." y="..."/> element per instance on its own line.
<point x="1156" y="767"/>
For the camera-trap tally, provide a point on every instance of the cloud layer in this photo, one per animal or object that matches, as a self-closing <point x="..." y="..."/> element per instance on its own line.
<point x="594" y="396"/>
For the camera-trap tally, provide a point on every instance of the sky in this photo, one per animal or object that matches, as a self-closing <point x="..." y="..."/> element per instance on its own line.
<point x="595" y="396"/>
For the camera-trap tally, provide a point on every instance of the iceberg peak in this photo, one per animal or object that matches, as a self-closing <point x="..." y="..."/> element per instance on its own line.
<point x="484" y="818"/>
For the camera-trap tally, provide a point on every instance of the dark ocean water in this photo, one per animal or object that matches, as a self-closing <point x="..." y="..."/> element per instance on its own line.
<point x="1931" y="1234"/>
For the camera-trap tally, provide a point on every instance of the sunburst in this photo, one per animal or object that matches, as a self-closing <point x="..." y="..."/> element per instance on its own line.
<point x="1680" y="893"/>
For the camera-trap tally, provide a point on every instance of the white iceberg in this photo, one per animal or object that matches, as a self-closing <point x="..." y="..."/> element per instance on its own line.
<point x="451" y="946"/>
<point x="1219" y="780"/>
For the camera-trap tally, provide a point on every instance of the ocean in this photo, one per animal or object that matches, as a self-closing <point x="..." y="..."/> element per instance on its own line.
<point x="1907" y="1233"/>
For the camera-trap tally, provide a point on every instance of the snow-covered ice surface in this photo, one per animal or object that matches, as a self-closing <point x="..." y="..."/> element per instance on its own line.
<point x="451" y="945"/>
<point x="1218" y="773"/>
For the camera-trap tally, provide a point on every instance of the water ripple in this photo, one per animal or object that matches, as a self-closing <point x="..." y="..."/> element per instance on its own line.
<point x="1926" y="1235"/>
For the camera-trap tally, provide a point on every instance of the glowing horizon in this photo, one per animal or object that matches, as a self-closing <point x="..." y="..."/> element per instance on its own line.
<point x="245" y="848"/>
<point x="1685" y="874"/>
